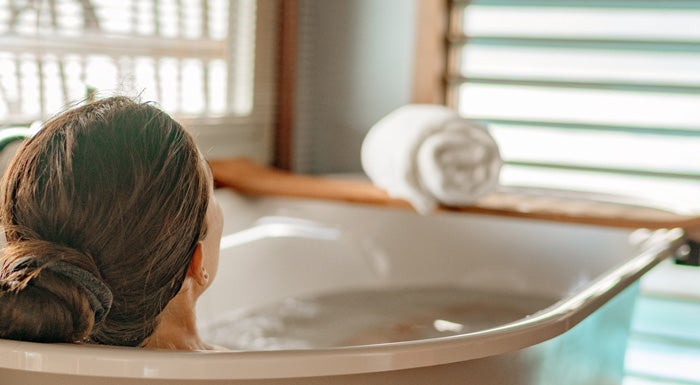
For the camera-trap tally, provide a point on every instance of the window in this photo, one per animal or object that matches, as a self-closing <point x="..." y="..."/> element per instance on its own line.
<point x="602" y="96"/>
<point x="210" y="63"/>
<point x="592" y="95"/>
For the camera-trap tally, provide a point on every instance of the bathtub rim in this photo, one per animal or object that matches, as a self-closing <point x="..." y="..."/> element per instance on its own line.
<point x="120" y="362"/>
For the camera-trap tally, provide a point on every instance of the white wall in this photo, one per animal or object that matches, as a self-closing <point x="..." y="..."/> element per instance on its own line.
<point x="355" y="66"/>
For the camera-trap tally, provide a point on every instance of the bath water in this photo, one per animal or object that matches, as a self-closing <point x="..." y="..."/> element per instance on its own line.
<point x="362" y="317"/>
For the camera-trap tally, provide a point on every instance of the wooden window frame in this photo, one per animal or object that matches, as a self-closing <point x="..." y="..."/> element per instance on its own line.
<point x="286" y="84"/>
<point x="431" y="60"/>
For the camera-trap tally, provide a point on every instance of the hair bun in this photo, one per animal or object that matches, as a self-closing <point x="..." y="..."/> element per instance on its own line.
<point x="56" y="293"/>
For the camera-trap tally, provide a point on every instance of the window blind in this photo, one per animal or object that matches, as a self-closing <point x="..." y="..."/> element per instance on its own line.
<point x="600" y="96"/>
<point x="590" y="95"/>
<point x="208" y="62"/>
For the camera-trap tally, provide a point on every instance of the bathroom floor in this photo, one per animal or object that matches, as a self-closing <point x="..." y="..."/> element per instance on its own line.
<point x="664" y="348"/>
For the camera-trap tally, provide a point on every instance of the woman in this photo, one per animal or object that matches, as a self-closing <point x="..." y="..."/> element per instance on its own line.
<point x="112" y="230"/>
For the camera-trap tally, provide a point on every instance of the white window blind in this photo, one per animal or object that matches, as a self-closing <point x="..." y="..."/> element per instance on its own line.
<point x="210" y="63"/>
<point x="592" y="95"/>
<point x="602" y="96"/>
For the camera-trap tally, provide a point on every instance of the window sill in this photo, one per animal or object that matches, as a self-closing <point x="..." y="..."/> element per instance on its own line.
<point x="533" y="203"/>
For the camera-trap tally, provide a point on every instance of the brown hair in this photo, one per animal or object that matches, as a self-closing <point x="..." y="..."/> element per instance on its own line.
<point x="115" y="188"/>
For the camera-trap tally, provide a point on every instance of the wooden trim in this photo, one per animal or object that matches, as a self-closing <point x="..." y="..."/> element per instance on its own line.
<point x="430" y="59"/>
<point x="453" y="53"/>
<point x="286" y="90"/>
<point x="253" y="179"/>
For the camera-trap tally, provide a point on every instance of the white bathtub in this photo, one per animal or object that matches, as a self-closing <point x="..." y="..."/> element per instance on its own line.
<point x="279" y="248"/>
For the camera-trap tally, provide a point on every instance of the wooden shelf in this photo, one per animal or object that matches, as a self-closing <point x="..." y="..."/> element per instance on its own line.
<point x="250" y="178"/>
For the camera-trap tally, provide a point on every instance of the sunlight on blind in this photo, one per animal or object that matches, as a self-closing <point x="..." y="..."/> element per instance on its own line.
<point x="665" y="345"/>
<point x="571" y="105"/>
<point x="600" y="96"/>
<point x="176" y="52"/>
<point x="599" y="148"/>
<point x="577" y="21"/>
<point x="571" y="89"/>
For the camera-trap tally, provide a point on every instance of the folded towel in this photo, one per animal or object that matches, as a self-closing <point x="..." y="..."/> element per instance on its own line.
<point x="428" y="154"/>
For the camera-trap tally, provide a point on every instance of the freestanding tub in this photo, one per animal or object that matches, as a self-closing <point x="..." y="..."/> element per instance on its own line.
<point x="277" y="248"/>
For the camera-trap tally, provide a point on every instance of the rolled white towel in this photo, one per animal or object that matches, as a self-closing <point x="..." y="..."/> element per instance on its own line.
<point x="428" y="154"/>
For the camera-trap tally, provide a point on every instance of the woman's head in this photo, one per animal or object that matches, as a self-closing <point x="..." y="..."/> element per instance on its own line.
<point x="117" y="189"/>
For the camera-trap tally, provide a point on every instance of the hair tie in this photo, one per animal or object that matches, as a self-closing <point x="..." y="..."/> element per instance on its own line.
<point x="99" y="295"/>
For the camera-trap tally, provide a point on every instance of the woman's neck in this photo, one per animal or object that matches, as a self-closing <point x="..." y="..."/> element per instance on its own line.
<point x="177" y="329"/>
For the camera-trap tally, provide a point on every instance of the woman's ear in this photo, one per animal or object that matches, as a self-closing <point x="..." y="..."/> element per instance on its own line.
<point x="196" y="270"/>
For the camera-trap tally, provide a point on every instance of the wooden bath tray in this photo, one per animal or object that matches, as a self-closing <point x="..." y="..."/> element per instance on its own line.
<point x="250" y="178"/>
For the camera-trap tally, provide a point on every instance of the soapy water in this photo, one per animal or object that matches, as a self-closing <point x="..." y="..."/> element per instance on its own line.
<point x="368" y="316"/>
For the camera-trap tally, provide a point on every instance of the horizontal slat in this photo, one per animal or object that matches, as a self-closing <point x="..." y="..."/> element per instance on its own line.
<point x="678" y="283"/>
<point x="573" y="84"/>
<point x="135" y="17"/>
<point x="114" y="45"/>
<point x="634" y="4"/>
<point x="678" y="195"/>
<point x="623" y="151"/>
<point x="640" y="379"/>
<point x="670" y="68"/>
<point x="613" y="169"/>
<point x="583" y="23"/>
<point x="689" y="46"/>
<point x="485" y="102"/>
<point x="647" y="130"/>
<point x="668" y="320"/>
<point x="665" y="323"/>
<point x="657" y="360"/>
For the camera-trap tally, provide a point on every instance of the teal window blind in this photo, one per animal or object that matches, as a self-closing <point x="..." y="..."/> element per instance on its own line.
<point x="585" y="95"/>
